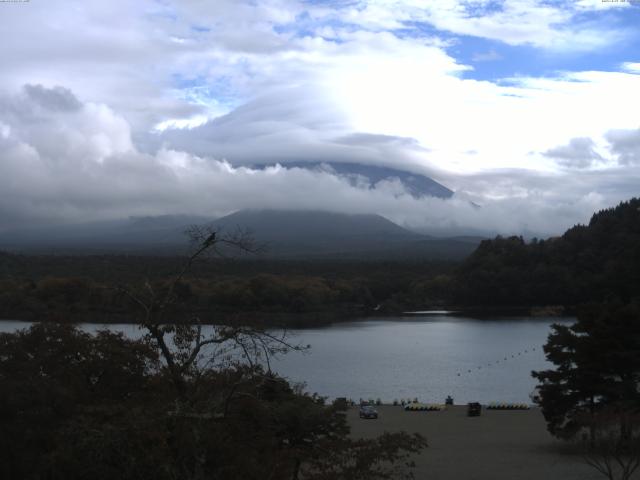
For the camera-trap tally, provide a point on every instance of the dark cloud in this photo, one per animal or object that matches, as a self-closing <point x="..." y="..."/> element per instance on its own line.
<point x="626" y="145"/>
<point x="578" y="153"/>
<point x="364" y="139"/>
<point x="55" y="99"/>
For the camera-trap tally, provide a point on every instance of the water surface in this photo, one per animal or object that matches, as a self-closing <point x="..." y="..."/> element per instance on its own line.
<point x="428" y="357"/>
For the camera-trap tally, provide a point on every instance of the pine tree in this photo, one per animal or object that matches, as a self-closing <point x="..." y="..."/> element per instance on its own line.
<point x="597" y="366"/>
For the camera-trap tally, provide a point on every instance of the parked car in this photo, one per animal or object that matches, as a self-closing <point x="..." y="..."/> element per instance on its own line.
<point x="367" y="411"/>
<point x="474" y="409"/>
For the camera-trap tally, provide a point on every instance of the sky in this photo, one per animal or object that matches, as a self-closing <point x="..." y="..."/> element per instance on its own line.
<point x="527" y="108"/>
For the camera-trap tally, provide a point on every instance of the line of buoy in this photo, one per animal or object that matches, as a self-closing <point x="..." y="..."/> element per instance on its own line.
<point x="424" y="407"/>
<point x="498" y="361"/>
<point x="508" y="406"/>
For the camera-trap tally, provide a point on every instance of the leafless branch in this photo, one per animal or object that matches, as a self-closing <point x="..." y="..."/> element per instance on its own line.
<point x="614" y="450"/>
<point x="188" y="340"/>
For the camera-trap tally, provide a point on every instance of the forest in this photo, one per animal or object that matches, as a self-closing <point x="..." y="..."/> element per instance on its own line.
<point x="594" y="262"/>
<point x="81" y="288"/>
<point x="588" y="263"/>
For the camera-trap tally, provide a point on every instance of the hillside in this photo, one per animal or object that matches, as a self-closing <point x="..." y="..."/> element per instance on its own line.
<point x="316" y="232"/>
<point x="284" y="234"/>
<point x="588" y="263"/>
<point x="155" y="234"/>
<point x="313" y="234"/>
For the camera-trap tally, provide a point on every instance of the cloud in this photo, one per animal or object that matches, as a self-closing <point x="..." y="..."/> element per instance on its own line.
<point x="175" y="63"/>
<point x="556" y="26"/>
<point x="56" y="98"/>
<point x="119" y="53"/>
<point x="579" y="153"/>
<point x="294" y="125"/>
<point x="490" y="56"/>
<point x="55" y="123"/>
<point x="93" y="171"/>
<point x="626" y="145"/>
<point x="387" y="69"/>
<point x="379" y="85"/>
<point x="162" y="107"/>
<point x="631" y="67"/>
<point x="622" y="147"/>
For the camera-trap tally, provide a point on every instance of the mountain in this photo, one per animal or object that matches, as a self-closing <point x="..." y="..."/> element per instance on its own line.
<point x="318" y="233"/>
<point x="284" y="234"/>
<point x="287" y="231"/>
<point x="135" y="234"/>
<point x="416" y="184"/>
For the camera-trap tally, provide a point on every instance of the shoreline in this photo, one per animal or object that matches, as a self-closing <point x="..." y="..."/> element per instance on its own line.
<point x="321" y="319"/>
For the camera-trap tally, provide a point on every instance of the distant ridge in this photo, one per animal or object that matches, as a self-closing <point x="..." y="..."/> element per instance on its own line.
<point x="313" y="225"/>
<point x="292" y="233"/>
<point x="284" y="233"/>
<point x="288" y="232"/>
<point x="135" y="234"/>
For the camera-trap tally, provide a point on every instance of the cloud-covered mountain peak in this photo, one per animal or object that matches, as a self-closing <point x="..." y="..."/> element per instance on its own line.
<point x="416" y="184"/>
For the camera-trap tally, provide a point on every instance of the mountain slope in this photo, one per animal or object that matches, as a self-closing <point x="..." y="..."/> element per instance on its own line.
<point x="130" y="234"/>
<point x="314" y="225"/>
<point x="290" y="234"/>
<point x="318" y="233"/>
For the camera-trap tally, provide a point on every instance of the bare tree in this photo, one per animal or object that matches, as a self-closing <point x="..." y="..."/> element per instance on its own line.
<point x="613" y="448"/>
<point x="182" y="345"/>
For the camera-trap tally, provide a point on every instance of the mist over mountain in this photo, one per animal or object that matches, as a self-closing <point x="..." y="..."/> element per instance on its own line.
<point x="282" y="233"/>
<point x="138" y="233"/>
<point x="417" y="185"/>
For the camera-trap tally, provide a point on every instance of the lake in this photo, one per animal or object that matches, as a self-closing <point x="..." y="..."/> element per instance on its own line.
<point x="423" y="356"/>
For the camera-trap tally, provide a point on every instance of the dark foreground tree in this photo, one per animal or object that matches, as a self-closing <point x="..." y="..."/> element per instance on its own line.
<point x="597" y="364"/>
<point x="593" y="395"/>
<point x="53" y="375"/>
<point x="614" y="448"/>
<point x="186" y="401"/>
<point x="78" y="406"/>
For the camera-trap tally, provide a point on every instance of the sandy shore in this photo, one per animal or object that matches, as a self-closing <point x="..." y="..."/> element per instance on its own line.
<point x="509" y="445"/>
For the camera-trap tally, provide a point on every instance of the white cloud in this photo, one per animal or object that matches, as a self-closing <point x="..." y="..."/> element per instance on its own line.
<point x="633" y="67"/>
<point x="166" y="87"/>
<point x="381" y="84"/>
<point x="490" y="56"/>
<point x="103" y="175"/>
<point x="550" y="25"/>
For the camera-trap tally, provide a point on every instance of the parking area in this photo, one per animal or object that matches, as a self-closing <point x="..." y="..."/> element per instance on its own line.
<point x="496" y="445"/>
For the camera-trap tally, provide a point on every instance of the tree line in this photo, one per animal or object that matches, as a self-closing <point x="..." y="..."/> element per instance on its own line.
<point x="75" y="289"/>
<point x="595" y="262"/>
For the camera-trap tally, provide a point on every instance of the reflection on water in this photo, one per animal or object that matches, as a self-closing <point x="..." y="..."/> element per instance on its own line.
<point x="425" y="357"/>
<point x="428" y="357"/>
